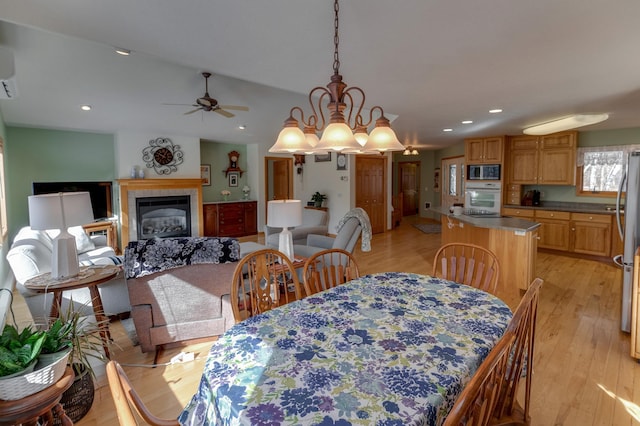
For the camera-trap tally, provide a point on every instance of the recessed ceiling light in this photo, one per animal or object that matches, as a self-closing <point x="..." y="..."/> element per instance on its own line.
<point x="495" y="111"/>
<point x="242" y="127"/>
<point x="123" y="52"/>
<point x="86" y="107"/>
<point x="447" y="130"/>
<point x="467" y="122"/>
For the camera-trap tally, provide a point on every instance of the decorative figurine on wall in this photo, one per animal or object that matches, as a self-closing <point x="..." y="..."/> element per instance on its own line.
<point x="234" y="156"/>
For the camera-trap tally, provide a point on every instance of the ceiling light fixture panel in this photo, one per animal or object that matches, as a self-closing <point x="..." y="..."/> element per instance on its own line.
<point x="565" y="123"/>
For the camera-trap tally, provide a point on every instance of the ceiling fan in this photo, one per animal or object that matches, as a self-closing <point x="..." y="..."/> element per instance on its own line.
<point x="207" y="103"/>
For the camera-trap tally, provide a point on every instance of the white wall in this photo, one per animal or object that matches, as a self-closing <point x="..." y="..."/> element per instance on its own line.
<point x="129" y="147"/>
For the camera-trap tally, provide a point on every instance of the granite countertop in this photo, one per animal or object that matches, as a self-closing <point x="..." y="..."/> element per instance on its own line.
<point x="595" y="208"/>
<point x="505" y="223"/>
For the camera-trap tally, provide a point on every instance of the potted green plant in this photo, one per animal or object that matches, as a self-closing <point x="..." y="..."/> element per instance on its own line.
<point x="318" y="199"/>
<point x="83" y="335"/>
<point x="19" y="350"/>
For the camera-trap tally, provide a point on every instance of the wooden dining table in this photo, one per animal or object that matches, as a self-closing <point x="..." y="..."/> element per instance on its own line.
<point x="385" y="349"/>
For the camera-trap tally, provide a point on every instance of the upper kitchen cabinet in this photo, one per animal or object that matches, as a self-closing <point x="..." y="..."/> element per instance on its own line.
<point x="545" y="160"/>
<point x="484" y="150"/>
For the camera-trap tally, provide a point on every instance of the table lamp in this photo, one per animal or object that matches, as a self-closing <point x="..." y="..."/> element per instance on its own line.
<point x="284" y="214"/>
<point x="60" y="211"/>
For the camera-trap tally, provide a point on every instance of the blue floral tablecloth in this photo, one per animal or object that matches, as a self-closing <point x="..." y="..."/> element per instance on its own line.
<point x="384" y="349"/>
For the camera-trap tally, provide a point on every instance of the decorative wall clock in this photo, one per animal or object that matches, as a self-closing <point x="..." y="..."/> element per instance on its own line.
<point x="162" y="156"/>
<point x="234" y="157"/>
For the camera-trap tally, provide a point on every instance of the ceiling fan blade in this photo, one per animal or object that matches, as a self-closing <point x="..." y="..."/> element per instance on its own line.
<point x="223" y="112"/>
<point x="204" y="102"/>
<point x="192" y="111"/>
<point x="235" y="107"/>
<point x="178" y="104"/>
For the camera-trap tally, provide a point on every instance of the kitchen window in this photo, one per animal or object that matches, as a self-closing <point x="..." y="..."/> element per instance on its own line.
<point x="600" y="169"/>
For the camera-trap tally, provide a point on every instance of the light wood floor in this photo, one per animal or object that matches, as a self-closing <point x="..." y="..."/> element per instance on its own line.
<point x="583" y="372"/>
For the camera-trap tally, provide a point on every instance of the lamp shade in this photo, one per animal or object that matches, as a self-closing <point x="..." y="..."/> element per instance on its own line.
<point x="59" y="210"/>
<point x="284" y="213"/>
<point x="337" y="137"/>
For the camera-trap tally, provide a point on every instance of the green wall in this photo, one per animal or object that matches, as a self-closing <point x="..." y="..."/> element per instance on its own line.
<point x="41" y="155"/>
<point x="216" y="155"/>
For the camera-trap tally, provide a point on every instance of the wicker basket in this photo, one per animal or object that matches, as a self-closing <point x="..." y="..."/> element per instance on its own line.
<point x="20" y="386"/>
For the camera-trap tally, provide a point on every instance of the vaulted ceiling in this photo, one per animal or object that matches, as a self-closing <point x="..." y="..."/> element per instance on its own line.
<point x="429" y="63"/>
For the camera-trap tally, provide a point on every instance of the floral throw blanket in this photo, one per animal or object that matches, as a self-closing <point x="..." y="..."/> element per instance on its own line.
<point x="147" y="257"/>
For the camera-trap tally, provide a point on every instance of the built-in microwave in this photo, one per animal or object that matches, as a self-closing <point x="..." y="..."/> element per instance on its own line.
<point x="483" y="172"/>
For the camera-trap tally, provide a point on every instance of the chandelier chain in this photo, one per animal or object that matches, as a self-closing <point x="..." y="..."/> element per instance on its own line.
<point x="336" y="39"/>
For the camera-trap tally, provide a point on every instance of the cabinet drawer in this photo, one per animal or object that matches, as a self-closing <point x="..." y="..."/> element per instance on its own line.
<point x="230" y="213"/>
<point x="231" y="229"/>
<point x="596" y="218"/>
<point x="514" y="187"/>
<point x="518" y="212"/>
<point x="552" y="214"/>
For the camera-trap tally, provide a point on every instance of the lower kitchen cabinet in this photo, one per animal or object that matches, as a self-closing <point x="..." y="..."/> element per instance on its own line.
<point x="230" y="219"/>
<point x="582" y="233"/>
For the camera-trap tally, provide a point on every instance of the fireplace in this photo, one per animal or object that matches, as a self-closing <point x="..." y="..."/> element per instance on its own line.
<point x="131" y="190"/>
<point x="161" y="217"/>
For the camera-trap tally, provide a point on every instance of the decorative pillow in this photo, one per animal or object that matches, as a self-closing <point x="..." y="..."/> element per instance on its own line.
<point x="83" y="242"/>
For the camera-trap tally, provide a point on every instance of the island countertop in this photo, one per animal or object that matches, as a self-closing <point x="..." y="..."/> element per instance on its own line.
<point x="505" y="223"/>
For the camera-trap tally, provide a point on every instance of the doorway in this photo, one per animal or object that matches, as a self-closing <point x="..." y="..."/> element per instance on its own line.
<point x="452" y="175"/>
<point x="408" y="185"/>
<point x="371" y="172"/>
<point x="278" y="179"/>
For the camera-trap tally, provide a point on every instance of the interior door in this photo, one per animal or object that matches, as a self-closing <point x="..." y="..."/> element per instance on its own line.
<point x="370" y="190"/>
<point x="409" y="178"/>
<point x="278" y="179"/>
<point x="452" y="174"/>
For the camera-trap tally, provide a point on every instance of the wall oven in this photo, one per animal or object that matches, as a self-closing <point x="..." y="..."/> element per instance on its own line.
<point x="483" y="197"/>
<point x="483" y="172"/>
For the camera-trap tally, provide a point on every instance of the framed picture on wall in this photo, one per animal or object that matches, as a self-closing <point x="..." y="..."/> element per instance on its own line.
<point x="205" y="174"/>
<point x="233" y="179"/>
<point x="341" y="161"/>
<point x="321" y="158"/>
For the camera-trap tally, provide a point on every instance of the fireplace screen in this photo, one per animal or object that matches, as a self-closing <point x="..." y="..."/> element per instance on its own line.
<point x="161" y="217"/>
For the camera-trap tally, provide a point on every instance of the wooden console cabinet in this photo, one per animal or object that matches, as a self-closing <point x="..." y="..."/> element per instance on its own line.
<point x="230" y="219"/>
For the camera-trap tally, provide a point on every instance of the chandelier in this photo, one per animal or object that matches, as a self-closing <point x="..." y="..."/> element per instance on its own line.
<point x="410" y="151"/>
<point x="347" y="135"/>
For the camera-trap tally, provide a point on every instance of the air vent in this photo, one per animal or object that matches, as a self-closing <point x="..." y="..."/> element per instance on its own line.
<point x="8" y="89"/>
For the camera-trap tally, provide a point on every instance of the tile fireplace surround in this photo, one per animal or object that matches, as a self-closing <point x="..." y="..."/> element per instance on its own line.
<point x="130" y="189"/>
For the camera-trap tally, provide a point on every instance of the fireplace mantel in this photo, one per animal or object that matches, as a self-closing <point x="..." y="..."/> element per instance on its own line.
<point x="131" y="187"/>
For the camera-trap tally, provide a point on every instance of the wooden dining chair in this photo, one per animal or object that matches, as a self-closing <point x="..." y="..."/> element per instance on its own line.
<point x="327" y="269"/>
<point x="126" y="400"/>
<point x="261" y="279"/>
<point x="476" y="403"/>
<point x="467" y="264"/>
<point x="523" y="326"/>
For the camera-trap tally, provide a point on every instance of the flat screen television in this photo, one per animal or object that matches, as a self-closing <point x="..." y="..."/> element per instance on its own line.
<point x="100" y="193"/>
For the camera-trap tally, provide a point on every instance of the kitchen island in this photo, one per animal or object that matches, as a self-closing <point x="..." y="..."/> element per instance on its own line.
<point x="513" y="240"/>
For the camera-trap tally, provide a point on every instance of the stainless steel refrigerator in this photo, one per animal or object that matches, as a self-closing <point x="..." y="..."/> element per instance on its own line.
<point x="630" y="185"/>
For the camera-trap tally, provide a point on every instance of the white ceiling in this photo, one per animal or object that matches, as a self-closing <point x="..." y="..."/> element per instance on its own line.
<point x="430" y="63"/>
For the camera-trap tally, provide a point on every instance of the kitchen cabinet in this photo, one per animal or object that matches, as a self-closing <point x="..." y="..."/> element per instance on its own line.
<point x="554" y="230"/>
<point x="230" y="219"/>
<point x="591" y="234"/>
<point x="582" y="233"/>
<point x="547" y="160"/>
<point x="523" y="213"/>
<point x="513" y="195"/>
<point x="484" y="150"/>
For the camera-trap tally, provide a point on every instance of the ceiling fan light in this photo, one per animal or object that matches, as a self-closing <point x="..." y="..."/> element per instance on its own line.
<point x="337" y="137"/>
<point x="566" y="123"/>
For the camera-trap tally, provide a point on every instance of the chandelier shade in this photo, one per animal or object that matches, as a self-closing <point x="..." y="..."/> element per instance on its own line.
<point x="343" y="134"/>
